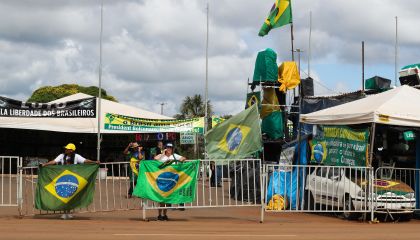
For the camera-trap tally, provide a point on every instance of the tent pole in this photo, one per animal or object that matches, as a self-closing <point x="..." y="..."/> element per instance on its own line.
<point x="372" y="141"/>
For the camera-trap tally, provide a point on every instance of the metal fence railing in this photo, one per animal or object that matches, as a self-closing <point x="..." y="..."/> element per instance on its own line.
<point x="9" y="181"/>
<point x="297" y="188"/>
<point x="223" y="183"/>
<point x="396" y="191"/>
<point x="350" y="191"/>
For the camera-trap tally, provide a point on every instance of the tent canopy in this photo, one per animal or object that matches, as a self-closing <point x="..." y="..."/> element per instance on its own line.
<point x="397" y="106"/>
<point x="78" y="125"/>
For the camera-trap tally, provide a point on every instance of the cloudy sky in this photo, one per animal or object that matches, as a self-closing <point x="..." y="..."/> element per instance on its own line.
<point x="154" y="51"/>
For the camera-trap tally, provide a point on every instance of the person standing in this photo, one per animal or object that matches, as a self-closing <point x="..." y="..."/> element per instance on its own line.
<point x="166" y="157"/>
<point x="156" y="150"/>
<point x="69" y="157"/>
<point x="135" y="154"/>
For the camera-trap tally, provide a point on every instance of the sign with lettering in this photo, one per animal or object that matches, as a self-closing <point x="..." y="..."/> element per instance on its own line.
<point x="187" y="138"/>
<point x="126" y="123"/>
<point x="340" y="146"/>
<point x="82" y="108"/>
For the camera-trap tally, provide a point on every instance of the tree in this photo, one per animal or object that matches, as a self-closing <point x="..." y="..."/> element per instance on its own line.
<point x="50" y="93"/>
<point x="194" y="107"/>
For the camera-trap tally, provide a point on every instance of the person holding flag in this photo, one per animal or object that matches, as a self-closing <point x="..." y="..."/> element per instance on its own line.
<point x="65" y="193"/>
<point x="167" y="157"/>
<point x="69" y="157"/>
<point x="135" y="154"/>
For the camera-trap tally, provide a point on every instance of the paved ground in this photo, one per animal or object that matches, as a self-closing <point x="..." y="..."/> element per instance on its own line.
<point x="238" y="223"/>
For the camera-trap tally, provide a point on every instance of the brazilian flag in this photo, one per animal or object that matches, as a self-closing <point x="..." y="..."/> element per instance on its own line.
<point x="237" y="137"/>
<point x="174" y="184"/>
<point x="65" y="187"/>
<point x="280" y="15"/>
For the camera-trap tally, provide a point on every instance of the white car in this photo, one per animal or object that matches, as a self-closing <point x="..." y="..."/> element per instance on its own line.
<point x="345" y="189"/>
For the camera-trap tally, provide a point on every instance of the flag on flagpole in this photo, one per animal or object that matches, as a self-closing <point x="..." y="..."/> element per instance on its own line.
<point x="237" y="137"/>
<point x="65" y="187"/>
<point x="280" y="15"/>
<point x="173" y="183"/>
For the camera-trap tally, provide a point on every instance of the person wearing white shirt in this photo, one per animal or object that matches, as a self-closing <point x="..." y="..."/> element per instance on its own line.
<point x="69" y="157"/>
<point x="165" y="157"/>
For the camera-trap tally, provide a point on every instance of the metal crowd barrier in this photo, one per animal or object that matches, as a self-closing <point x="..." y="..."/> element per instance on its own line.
<point x="111" y="190"/>
<point x="350" y="191"/>
<point x="320" y="189"/>
<point x="240" y="185"/>
<point x="9" y="181"/>
<point x="396" y="192"/>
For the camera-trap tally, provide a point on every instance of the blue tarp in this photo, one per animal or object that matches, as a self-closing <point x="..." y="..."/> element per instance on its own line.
<point x="287" y="183"/>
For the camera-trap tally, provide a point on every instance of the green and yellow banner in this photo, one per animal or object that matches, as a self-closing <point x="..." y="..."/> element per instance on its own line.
<point x="65" y="187"/>
<point x="125" y="123"/>
<point x="215" y="120"/>
<point x="340" y="146"/>
<point x="174" y="184"/>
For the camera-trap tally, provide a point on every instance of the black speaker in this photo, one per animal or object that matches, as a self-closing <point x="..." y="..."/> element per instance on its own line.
<point x="411" y="80"/>
<point x="307" y="86"/>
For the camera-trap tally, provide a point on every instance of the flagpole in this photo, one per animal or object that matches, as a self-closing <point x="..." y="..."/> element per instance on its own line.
<point x="98" y="154"/>
<point x="291" y="39"/>
<point x="396" y="51"/>
<point x="206" y="85"/>
<point x="310" y="36"/>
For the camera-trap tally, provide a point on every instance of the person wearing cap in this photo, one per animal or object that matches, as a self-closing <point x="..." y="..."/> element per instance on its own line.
<point x="69" y="157"/>
<point x="165" y="157"/>
<point x="169" y="155"/>
<point x="135" y="154"/>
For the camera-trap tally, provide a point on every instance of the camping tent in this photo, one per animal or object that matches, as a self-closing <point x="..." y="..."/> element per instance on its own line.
<point x="77" y="125"/>
<point x="398" y="106"/>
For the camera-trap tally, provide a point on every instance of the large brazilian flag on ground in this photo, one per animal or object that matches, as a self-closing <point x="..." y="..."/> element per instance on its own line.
<point x="237" y="137"/>
<point x="174" y="184"/>
<point x="65" y="187"/>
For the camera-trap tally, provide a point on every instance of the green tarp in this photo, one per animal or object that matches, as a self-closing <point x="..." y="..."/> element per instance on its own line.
<point x="266" y="66"/>
<point x="272" y="125"/>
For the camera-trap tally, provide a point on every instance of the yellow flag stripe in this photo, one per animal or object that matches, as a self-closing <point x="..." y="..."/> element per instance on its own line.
<point x="284" y="4"/>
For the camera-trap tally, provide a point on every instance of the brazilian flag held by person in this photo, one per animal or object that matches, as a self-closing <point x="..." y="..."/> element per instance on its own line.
<point x="173" y="183"/>
<point x="65" y="187"/>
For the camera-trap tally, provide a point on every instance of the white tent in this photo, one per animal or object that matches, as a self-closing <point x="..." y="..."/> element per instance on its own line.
<point x="398" y="106"/>
<point x="77" y="125"/>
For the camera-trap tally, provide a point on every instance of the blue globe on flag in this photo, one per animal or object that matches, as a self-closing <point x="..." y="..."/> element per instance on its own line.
<point x="234" y="138"/>
<point x="318" y="152"/>
<point x="66" y="186"/>
<point x="167" y="181"/>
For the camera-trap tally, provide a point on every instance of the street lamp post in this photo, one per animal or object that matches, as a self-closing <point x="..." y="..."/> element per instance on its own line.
<point x="161" y="107"/>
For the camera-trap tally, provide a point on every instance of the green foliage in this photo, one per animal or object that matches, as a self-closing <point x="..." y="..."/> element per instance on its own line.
<point x="194" y="107"/>
<point x="50" y="93"/>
